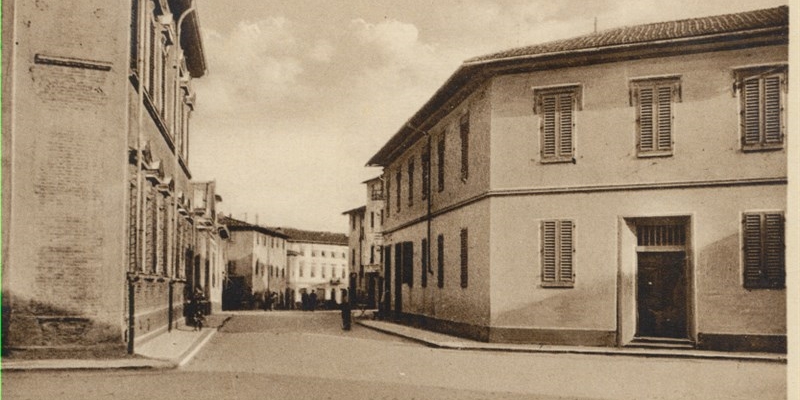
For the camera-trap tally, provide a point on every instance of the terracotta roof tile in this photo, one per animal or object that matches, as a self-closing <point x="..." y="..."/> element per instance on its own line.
<point x="670" y="30"/>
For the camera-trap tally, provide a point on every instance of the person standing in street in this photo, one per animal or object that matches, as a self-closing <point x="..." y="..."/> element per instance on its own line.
<point x="346" y="314"/>
<point x="312" y="301"/>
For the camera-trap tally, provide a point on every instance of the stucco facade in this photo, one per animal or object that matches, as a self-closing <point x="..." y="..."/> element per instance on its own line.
<point x="545" y="216"/>
<point x="317" y="262"/>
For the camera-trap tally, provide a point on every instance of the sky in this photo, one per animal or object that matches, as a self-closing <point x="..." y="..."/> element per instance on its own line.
<point x="300" y="94"/>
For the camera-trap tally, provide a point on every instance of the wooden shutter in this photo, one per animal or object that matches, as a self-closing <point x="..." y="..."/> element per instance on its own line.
<point x="464" y="133"/>
<point x="565" y="252"/>
<point x="411" y="182"/>
<point x="664" y="117"/>
<point x="751" y="112"/>
<point x="774" y="249"/>
<point x="549" y="259"/>
<point x="464" y="258"/>
<point x="565" y="122"/>
<point x="548" y="126"/>
<point x="440" y="165"/>
<point x="408" y="263"/>
<point x="424" y="270"/>
<point x="646" y="119"/>
<point x="399" y="176"/>
<point x="440" y="261"/>
<point x="772" y="109"/>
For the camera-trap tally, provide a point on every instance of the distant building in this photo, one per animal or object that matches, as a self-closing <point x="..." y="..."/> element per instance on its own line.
<point x="317" y="262"/>
<point x="366" y="244"/>
<point x="101" y="235"/>
<point x="256" y="267"/>
<point x="621" y="188"/>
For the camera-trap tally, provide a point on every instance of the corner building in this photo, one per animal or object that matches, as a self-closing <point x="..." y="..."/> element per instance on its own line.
<point x="101" y="222"/>
<point x="622" y="188"/>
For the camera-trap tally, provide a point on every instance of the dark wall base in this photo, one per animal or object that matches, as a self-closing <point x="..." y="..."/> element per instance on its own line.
<point x="563" y="337"/>
<point x="747" y="343"/>
<point x="460" y="329"/>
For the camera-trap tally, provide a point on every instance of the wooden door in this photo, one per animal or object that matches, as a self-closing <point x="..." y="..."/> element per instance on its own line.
<point x="661" y="295"/>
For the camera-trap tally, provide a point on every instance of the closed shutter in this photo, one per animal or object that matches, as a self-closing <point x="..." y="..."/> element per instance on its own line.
<point x="424" y="270"/>
<point x="464" y="131"/>
<point x="408" y="263"/>
<point x="772" y="109"/>
<point x="664" y="118"/>
<point x="558" y="263"/>
<point x="440" y="261"/>
<point x="565" y="251"/>
<point x="549" y="127"/>
<point x="133" y="243"/>
<point x="440" y="165"/>
<point x="646" y="119"/>
<point x="764" y="250"/>
<point x="751" y="110"/>
<point x="565" y="124"/>
<point x="774" y="249"/>
<point x="549" y="259"/>
<point x="464" y="258"/>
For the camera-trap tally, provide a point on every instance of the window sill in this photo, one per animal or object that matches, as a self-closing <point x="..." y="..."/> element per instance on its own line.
<point x="762" y="147"/>
<point x="559" y="160"/>
<point x="558" y="285"/>
<point x="654" y="154"/>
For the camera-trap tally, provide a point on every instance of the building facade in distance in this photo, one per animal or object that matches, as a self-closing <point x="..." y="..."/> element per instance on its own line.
<point x="256" y="266"/>
<point x="366" y="244"/>
<point x="317" y="262"/>
<point x="621" y="188"/>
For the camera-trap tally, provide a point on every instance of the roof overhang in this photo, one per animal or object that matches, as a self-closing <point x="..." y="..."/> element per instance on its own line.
<point x="472" y="74"/>
<point x="191" y="38"/>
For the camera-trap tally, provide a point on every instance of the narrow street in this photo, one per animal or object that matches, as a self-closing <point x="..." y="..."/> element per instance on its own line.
<point x="296" y="355"/>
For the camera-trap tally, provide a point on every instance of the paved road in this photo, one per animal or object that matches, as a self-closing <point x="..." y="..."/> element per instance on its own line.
<point x="295" y="355"/>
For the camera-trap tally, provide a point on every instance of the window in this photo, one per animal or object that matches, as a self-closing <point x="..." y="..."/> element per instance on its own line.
<point x="353" y="257"/>
<point x="464" y="258"/>
<point x="440" y="261"/>
<point x="322" y="254"/>
<point x="653" y="100"/>
<point x="556" y="109"/>
<point x="440" y="162"/>
<point x="372" y="219"/>
<point x="313" y="271"/>
<point x="762" y="101"/>
<point x="463" y="129"/>
<point x="388" y="197"/>
<point x="408" y="263"/>
<point x="372" y="254"/>
<point x="411" y="182"/>
<point x="424" y="270"/>
<point x="302" y="266"/>
<point x="322" y="270"/>
<point x="764" y="250"/>
<point x="399" y="177"/>
<point x="557" y="253"/>
<point x="426" y="173"/>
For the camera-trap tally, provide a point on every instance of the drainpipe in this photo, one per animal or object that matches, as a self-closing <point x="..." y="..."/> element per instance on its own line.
<point x="139" y="178"/>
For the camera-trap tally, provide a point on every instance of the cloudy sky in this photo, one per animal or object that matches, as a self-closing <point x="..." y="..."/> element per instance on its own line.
<point x="301" y="93"/>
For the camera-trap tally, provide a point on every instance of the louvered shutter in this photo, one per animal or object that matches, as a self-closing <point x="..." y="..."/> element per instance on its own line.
<point x="464" y="258"/>
<point x="752" y="250"/>
<point x="646" y="119"/>
<point x="548" y="126"/>
<point x="772" y="109"/>
<point x="565" y="122"/>
<point x="565" y="252"/>
<point x="440" y="261"/>
<point x="424" y="270"/>
<point x="774" y="257"/>
<point x="549" y="259"/>
<point x="664" y="117"/>
<point x="751" y="119"/>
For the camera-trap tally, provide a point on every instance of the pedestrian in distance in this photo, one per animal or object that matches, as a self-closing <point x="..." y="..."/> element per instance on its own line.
<point x="312" y="301"/>
<point x="304" y="301"/>
<point x="346" y="314"/>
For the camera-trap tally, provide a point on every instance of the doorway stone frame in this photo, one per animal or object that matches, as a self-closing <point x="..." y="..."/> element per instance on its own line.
<point x="627" y="277"/>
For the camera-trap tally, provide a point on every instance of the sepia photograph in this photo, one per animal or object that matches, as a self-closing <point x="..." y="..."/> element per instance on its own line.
<point x="399" y="199"/>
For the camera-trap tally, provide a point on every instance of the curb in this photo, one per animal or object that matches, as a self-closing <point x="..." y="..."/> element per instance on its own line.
<point x="143" y="363"/>
<point x="462" y="344"/>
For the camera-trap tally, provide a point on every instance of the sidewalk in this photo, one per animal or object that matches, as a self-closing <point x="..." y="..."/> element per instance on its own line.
<point x="439" y="340"/>
<point x="168" y="350"/>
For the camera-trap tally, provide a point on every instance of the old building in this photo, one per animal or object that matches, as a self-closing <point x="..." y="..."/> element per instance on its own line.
<point x="317" y="262"/>
<point x="100" y="225"/>
<point x="256" y="266"/>
<point x="625" y="187"/>
<point x="366" y="244"/>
